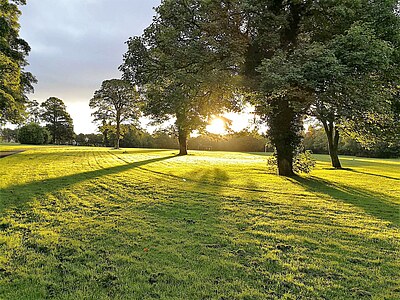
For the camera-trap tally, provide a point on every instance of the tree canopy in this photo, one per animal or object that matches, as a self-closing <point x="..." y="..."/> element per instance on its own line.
<point x="58" y="121"/>
<point x="15" y="82"/>
<point x="338" y="60"/>
<point x="183" y="69"/>
<point x="115" y="102"/>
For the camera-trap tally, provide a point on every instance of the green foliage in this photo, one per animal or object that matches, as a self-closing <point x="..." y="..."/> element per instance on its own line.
<point x="58" y="120"/>
<point x="8" y="135"/>
<point x="315" y="141"/>
<point x="14" y="81"/>
<point x="115" y="103"/>
<point x="303" y="162"/>
<point x="33" y="111"/>
<point x="85" y="223"/>
<point x="182" y="64"/>
<point x="116" y="99"/>
<point x="33" y="134"/>
<point x="136" y="137"/>
<point x="337" y="59"/>
<point x="243" y="141"/>
<point x="91" y="139"/>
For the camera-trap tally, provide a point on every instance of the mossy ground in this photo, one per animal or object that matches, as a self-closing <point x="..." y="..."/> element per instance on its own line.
<point x="95" y="223"/>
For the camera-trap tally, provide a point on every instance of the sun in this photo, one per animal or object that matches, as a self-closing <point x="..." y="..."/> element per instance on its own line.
<point x="217" y="126"/>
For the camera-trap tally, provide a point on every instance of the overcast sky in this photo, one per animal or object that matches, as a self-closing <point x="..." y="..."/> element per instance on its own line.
<point x="76" y="44"/>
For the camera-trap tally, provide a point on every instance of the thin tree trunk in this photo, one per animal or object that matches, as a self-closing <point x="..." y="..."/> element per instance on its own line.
<point x="333" y="143"/>
<point x="182" y="137"/>
<point x="118" y="133"/>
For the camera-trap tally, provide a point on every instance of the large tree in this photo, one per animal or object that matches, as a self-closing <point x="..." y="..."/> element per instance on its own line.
<point x="117" y="101"/>
<point x="274" y="30"/>
<point x="15" y="82"/>
<point x="182" y="65"/>
<point x="58" y="120"/>
<point x="353" y="72"/>
<point x="337" y="57"/>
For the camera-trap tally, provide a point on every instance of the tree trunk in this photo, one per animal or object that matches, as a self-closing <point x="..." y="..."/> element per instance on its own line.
<point x="333" y="143"/>
<point x="285" y="161"/>
<point x="284" y="134"/>
<point x="182" y="137"/>
<point x="105" y="138"/>
<point x="118" y="133"/>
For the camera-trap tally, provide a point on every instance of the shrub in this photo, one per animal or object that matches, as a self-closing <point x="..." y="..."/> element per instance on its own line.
<point x="302" y="162"/>
<point x="33" y="134"/>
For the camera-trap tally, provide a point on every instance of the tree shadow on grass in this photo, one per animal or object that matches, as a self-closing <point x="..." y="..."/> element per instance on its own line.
<point x="375" y="204"/>
<point x="17" y="196"/>
<point x="371" y="174"/>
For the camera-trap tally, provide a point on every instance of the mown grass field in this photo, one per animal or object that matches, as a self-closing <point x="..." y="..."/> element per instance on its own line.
<point x="95" y="223"/>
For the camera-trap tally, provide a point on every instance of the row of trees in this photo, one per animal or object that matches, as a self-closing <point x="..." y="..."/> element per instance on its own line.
<point x="315" y="141"/>
<point x="54" y="115"/>
<point x="134" y="137"/>
<point x="335" y="60"/>
<point x="244" y="141"/>
<point x="58" y="127"/>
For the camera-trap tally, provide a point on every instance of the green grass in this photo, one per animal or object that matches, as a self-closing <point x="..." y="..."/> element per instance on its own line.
<point x="94" y="223"/>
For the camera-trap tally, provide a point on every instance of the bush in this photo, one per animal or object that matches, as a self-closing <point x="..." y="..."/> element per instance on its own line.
<point x="302" y="162"/>
<point x="33" y="134"/>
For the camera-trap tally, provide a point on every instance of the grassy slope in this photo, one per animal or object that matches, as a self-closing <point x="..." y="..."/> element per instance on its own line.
<point x="88" y="223"/>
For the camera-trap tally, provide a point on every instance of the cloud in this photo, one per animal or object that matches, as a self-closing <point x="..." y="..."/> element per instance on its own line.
<point x="76" y="44"/>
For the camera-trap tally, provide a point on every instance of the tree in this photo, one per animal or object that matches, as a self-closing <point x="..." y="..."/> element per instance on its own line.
<point x="91" y="139"/>
<point x="15" y="82"/>
<point x="377" y="129"/>
<point x="33" y="111"/>
<point x="356" y="81"/>
<point x="337" y="57"/>
<point x="33" y="134"/>
<point x="183" y="71"/>
<point x="274" y="30"/>
<point x="116" y="102"/>
<point x="58" y="121"/>
<point x="8" y="135"/>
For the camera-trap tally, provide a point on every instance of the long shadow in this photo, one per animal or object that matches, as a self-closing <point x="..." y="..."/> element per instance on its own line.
<point x="266" y="154"/>
<point x="375" y="204"/>
<point x="371" y="174"/>
<point x="19" y="195"/>
<point x="215" y="177"/>
<point x="72" y="152"/>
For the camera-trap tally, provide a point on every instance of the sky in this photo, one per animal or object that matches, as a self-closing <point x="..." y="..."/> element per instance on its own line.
<point x="76" y="44"/>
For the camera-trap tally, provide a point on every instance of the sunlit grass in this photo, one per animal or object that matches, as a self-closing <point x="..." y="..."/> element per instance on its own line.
<point x="95" y="223"/>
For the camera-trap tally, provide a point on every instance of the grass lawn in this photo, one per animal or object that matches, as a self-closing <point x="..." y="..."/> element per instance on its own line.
<point x="95" y="223"/>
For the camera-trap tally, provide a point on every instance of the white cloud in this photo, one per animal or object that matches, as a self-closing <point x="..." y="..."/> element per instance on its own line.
<point x="76" y="44"/>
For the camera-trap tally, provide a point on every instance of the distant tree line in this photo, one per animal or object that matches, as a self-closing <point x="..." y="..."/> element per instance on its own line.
<point x="315" y="140"/>
<point x="58" y="126"/>
<point x="134" y="137"/>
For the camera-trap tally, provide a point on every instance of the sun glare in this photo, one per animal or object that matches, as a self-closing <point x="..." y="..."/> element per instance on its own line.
<point x="217" y="126"/>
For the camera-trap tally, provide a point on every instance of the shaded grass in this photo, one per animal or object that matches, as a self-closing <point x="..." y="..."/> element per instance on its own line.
<point x="377" y="204"/>
<point x="90" y="223"/>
